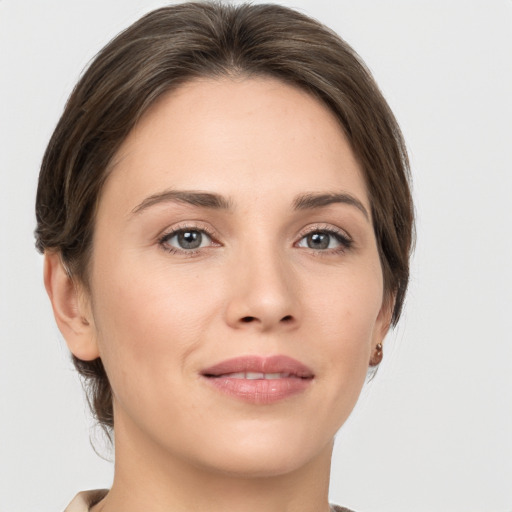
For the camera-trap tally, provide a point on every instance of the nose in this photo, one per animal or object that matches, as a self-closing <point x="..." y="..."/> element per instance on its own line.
<point x="263" y="292"/>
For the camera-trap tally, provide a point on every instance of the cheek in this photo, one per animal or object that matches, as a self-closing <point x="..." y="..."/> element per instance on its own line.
<point x="345" y="322"/>
<point x="348" y="316"/>
<point x="348" y="303"/>
<point x="150" y="321"/>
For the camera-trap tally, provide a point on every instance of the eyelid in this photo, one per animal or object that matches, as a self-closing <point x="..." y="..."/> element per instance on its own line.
<point x="322" y="226"/>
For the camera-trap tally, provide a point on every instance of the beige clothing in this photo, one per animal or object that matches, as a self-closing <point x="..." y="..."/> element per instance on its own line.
<point x="83" y="501"/>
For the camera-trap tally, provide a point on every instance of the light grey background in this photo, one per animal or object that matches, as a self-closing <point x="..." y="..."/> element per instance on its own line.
<point x="433" y="431"/>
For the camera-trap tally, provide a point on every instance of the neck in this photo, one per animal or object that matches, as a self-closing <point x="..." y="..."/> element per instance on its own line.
<point x="147" y="478"/>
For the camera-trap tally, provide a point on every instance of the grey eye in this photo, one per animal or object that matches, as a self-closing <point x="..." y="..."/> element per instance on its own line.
<point x="188" y="239"/>
<point x="320" y="240"/>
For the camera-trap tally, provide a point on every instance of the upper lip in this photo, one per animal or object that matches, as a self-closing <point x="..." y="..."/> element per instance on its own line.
<point x="260" y="364"/>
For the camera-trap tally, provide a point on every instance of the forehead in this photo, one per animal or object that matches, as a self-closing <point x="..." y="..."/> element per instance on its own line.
<point x="244" y="136"/>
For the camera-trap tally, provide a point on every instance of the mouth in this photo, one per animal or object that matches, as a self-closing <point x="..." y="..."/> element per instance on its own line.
<point x="259" y="380"/>
<point x="254" y="375"/>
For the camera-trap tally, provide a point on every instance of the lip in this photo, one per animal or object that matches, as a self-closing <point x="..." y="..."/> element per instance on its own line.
<point x="294" y="378"/>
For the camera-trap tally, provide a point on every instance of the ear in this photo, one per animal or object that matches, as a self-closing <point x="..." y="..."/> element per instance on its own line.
<point x="381" y="328"/>
<point x="71" y="308"/>
<point x="384" y="317"/>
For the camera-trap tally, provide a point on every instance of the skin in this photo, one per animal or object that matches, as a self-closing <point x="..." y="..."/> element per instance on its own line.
<point x="157" y="318"/>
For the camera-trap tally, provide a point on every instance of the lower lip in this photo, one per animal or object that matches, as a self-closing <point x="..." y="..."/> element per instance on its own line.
<point x="260" y="391"/>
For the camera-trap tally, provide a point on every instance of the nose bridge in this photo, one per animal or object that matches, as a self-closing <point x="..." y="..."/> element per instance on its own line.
<point x="263" y="291"/>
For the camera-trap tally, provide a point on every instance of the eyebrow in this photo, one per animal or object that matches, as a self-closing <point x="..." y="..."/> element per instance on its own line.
<point x="194" y="198"/>
<point x="308" y="201"/>
<point x="312" y="201"/>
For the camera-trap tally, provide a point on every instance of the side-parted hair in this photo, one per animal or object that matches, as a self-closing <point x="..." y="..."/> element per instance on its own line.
<point x="174" y="45"/>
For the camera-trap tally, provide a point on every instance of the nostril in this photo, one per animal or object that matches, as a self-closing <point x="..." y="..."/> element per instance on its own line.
<point x="249" y="319"/>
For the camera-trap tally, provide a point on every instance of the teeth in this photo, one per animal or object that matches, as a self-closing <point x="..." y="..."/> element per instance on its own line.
<point x="240" y="375"/>
<point x="256" y="375"/>
<point x="274" y="375"/>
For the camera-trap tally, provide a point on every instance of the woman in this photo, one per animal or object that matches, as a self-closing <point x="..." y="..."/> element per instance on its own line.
<point x="226" y="220"/>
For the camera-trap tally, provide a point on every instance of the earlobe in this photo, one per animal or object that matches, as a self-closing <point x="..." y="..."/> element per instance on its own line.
<point x="71" y="310"/>
<point x="382" y="326"/>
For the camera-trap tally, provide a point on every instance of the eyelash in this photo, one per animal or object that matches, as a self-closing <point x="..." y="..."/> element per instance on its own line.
<point x="340" y="236"/>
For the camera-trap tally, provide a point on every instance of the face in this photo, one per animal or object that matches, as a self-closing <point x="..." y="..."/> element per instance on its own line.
<point x="236" y="289"/>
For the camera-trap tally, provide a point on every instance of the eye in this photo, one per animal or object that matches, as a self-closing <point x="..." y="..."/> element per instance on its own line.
<point x="322" y="240"/>
<point x="186" y="240"/>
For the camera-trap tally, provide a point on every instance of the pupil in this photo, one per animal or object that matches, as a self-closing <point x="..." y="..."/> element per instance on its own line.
<point x="318" y="241"/>
<point x="190" y="239"/>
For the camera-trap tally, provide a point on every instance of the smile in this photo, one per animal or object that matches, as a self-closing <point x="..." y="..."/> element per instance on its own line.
<point x="259" y="380"/>
<point x="256" y="375"/>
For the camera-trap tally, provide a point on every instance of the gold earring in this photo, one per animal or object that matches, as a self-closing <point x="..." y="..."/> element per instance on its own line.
<point x="377" y="355"/>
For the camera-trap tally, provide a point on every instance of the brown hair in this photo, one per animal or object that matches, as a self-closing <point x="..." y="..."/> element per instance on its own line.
<point x="176" y="44"/>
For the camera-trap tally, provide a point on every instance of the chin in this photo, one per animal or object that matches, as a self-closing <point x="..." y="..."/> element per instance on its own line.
<point x="260" y="465"/>
<point x="258" y="455"/>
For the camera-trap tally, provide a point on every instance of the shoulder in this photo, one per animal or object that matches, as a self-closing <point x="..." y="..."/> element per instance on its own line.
<point x="84" y="500"/>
